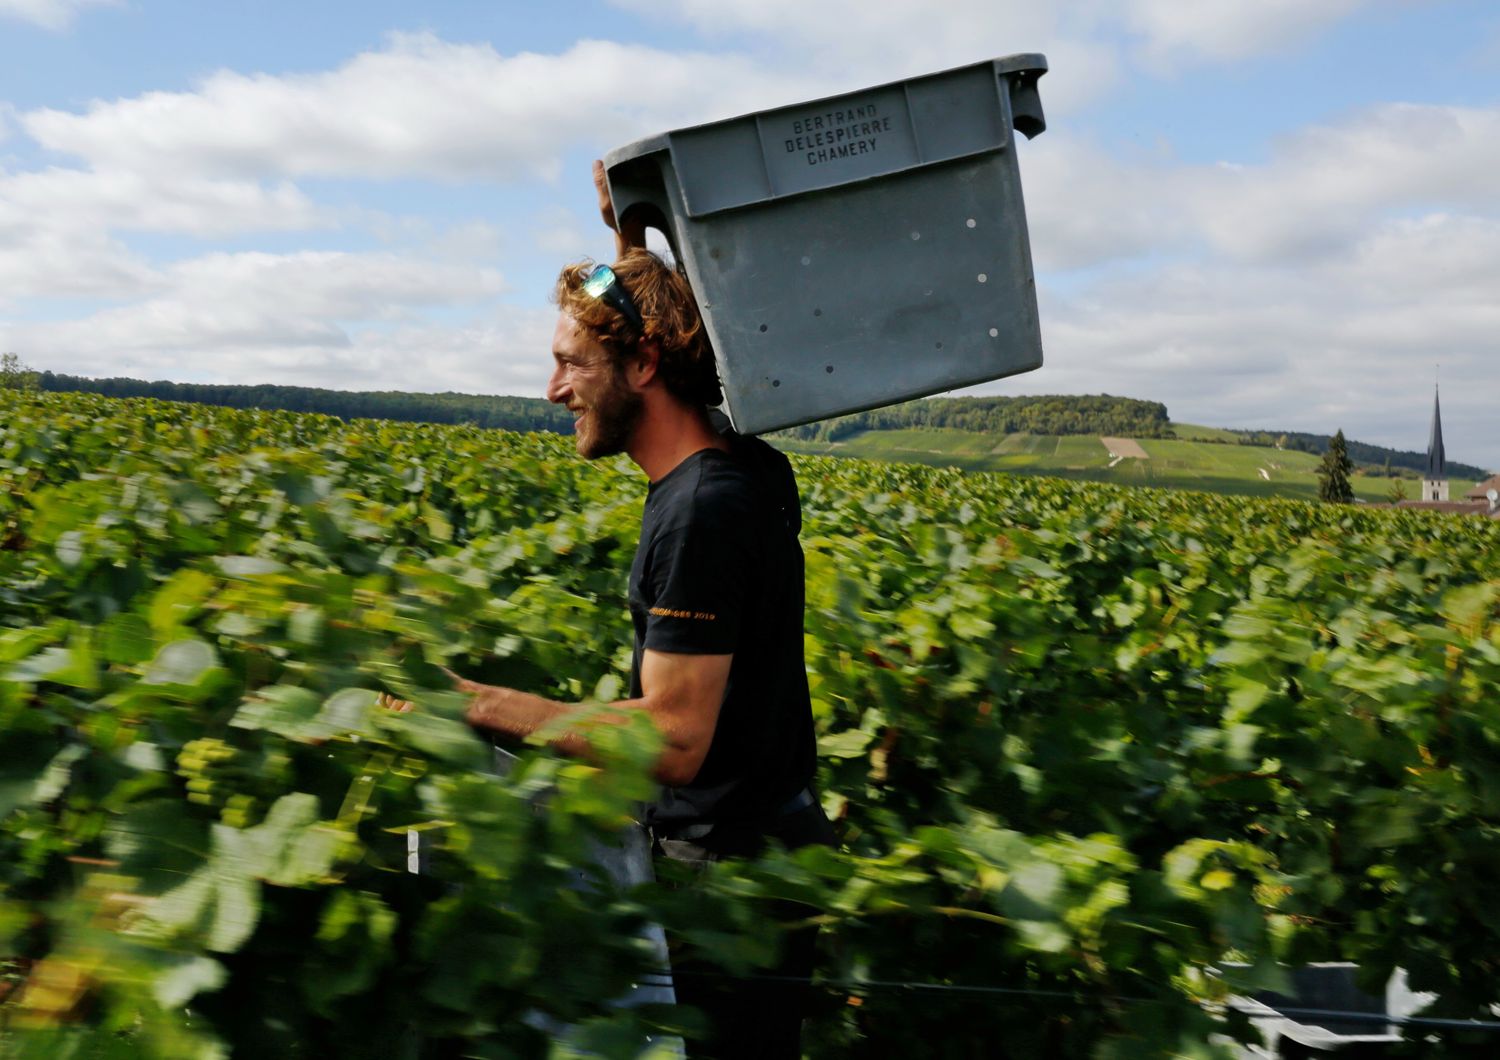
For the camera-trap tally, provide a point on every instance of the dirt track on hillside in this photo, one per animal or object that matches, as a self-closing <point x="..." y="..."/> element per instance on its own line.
<point x="1126" y="447"/>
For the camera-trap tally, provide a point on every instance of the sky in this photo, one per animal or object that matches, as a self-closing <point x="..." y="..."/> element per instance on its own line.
<point x="1277" y="214"/>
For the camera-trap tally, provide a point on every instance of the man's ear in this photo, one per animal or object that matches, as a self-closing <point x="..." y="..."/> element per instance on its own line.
<point x="640" y="370"/>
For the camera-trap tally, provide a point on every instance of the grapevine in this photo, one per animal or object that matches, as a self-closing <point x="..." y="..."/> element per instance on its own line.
<point x="1124" y="751"/>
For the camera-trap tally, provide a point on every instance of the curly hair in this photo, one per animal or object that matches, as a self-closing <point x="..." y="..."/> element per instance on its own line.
<point x="669" y="312"/>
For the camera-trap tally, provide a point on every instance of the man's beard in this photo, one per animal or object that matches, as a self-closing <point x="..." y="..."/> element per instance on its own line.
<point x="607" y="423"/>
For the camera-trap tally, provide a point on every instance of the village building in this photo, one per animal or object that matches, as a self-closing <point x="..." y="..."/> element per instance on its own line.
<point x="1483" y="499"/>
<point x="1485" y="491"/>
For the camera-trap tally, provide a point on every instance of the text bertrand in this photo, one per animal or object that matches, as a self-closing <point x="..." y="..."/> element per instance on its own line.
<point x="837" y="134"/>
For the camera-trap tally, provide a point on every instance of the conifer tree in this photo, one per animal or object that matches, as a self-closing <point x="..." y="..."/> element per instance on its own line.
<point x="1334" y="472"/>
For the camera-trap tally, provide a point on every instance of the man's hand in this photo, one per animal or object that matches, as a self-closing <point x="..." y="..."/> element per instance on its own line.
<point x="633" y="234"/>
<point x="402" y="706"/>
<point x="390" y="702"/>
<point x="606" y="204"/>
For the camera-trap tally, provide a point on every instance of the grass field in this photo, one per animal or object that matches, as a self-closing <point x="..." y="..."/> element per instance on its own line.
<point x="1192" y="432"/>
<point x="1193" y="460"/>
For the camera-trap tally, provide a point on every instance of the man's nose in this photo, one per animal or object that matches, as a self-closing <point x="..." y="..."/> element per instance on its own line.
<point x="557" y="387"/>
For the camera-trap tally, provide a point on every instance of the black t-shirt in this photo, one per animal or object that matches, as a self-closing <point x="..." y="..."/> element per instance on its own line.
<point x="718" y="571"/>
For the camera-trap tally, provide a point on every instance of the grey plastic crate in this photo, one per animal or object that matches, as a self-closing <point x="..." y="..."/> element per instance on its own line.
<point x="855" y="251"/>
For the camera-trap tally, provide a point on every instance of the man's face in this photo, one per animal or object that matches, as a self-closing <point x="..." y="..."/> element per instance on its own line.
<point x="593" y="387"/>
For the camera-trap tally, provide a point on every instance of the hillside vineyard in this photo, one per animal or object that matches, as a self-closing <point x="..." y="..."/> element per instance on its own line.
<point x="1098" y="756"/>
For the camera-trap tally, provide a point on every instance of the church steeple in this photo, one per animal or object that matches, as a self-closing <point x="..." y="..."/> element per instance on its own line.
<point x="1435" y="485"/>
<point x="1435" y="462"/>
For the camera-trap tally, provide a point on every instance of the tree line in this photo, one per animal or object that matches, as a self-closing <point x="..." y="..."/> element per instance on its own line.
<point x="1046" y="414"/>
<point x="1088" y="414"/>
<point x="501" y="412"/>
<point x="1377" y="459"/>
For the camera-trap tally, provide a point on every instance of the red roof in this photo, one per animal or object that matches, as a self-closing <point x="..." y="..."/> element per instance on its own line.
<point x="1479" y="491"/>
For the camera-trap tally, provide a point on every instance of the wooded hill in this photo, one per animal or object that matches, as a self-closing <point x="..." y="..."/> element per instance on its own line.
<point x="1098" y="414"/>
<point x="505" y="413"/>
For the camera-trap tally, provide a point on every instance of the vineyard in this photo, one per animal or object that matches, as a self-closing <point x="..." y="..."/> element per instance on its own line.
<point x="1099" y="757"/>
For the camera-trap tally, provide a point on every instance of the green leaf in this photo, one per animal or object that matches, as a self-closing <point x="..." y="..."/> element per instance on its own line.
<point x="126" y="638"/>
<point x="346" y="711"/>
<point x="285" y="710"/>
<point x="448" y="741"/>
<point x="263" y="847"/>
<point x="183" y="662"/>
<point x="144" y="756"/>
<point x="69" y="549"/>
<point x="1245" y="698"/>
<point x="236" y="911"/>
<point x="50" y="664"/>
<point x="54" y="779"/>
<point x="27" y="757"/>
<point x="1217" y="880"/>
<point x="185" y="906"/>
<point x="180" y="600"/>
<point x="17" y="644"/>
<point x="438" y="526"/>
<point x="1033" y="890"/>
<point x="852" y="743"/>
<point x="185" y="979"/>
<point x="311" y="855"/>
<point x="1044" y="935"/>
<point x="159" y="843"/>
<point x="307" y="626"/>
<point x="248" y="566"/>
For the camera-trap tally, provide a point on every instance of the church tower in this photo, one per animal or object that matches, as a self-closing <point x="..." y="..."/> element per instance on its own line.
<point x="1435" y="484"/>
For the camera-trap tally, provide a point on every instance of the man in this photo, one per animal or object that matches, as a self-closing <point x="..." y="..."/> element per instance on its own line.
<point x="716" y="596"/>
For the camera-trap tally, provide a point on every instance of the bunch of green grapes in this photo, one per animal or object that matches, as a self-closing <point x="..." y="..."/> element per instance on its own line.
<point x="218" y="776"/>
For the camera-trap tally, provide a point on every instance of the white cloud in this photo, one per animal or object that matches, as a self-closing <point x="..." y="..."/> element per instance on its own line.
<point x="1347" y="341"/>
<point x="420" y="108"/>
<point x="881" y="40"/>
<point x="1231" y="29"/>
<point x="862" y="42"/>
<point x="509" y="353"/>
<point x="255" y="316"/>
<point x="1322" y="190"/>
<point x="1323" y="186"/>
<point x="1085" y="206"/>
<point x="58" y="227"/>
<point x="131" y="200"/>
<point x="559" y="232"/>
<point x="49" y="14"/>
<point x="42" y="263"/>
<point x="469" y="241"/>
<point x="323" y="285"/>
<point x="505" y="352"/>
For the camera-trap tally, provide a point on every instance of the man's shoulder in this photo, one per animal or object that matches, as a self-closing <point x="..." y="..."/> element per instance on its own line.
<point x="723" y="488"/>
<point x="728" y="488"/>
<point x="775" y="482"/>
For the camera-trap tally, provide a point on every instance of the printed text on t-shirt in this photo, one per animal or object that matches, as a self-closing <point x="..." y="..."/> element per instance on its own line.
<point x="667" y="612"/>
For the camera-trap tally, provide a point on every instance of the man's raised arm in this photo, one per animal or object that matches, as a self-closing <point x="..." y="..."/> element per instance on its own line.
<point x="632" y="233"/>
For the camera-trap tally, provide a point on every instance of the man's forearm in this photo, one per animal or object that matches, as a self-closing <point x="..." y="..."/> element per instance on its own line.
<point x="522" y="715"/>
<point x="513" y="713"/>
